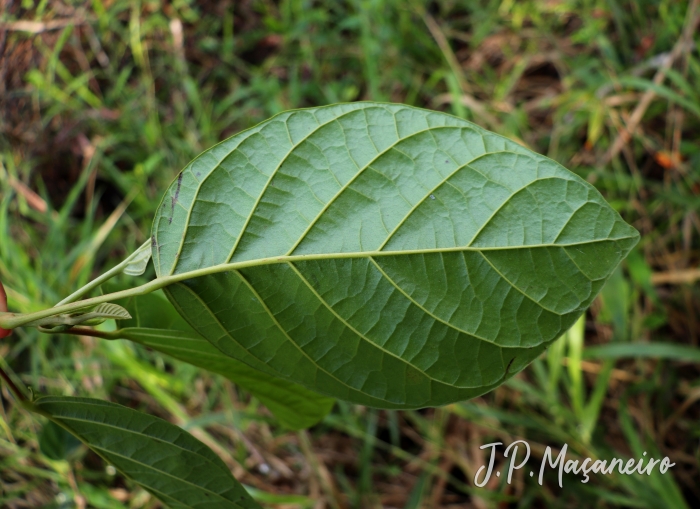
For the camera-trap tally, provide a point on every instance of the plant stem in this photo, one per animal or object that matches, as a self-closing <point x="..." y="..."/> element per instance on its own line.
<point x="84" y="331"/>
<point x="12" y="320"/>
<point x="19" y="394"/>
<point x="104" y="277"/>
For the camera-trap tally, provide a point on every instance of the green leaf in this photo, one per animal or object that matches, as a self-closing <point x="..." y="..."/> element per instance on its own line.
<point x="157" y="325"/>
<point x="138" y="261"/>
<point x="159" y="456"/>
<point x="671" y="351"/>
<point x="109" y="310"/>
<point x="383" y="254"/>
<point x="98" y="315"/>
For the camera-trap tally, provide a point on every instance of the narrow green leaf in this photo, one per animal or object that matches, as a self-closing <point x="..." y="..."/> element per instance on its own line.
<point x="296" y="501"/>
<point x="644" y="350"/>
<point x="159" y="456"/>
<point x="661" y="91"/>
<point x="158" y="326"/>
<point x="383" y="254"/>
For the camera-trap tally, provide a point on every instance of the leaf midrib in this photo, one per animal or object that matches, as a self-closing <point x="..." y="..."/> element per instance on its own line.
<point x="133" y="432"/>
<point x="162" y="281"/>
<point x="289" y="257"/>
<point x="371" y="255"/>
<point x="127" y="431"/>
<point x="162" y="472"/>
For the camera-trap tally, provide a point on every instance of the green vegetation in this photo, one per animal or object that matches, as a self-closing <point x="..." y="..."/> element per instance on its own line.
<point x="103" y="104"/>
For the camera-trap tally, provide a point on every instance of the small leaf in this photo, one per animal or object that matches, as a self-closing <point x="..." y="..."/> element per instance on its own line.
<point x="138" y="261"/>
<point x="98" y="315"/>
<point x="387" y="255"/>
<point x="157" y="325"/>
<point x="110" y="310"/>
<point x="159" y="456"/>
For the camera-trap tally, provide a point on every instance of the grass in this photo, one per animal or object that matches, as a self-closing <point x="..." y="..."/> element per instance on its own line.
<point x="103" y="102"/>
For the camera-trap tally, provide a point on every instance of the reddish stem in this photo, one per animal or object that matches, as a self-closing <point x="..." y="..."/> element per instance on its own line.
<point x="13" y="388"/>
<point x="3" y="308"/>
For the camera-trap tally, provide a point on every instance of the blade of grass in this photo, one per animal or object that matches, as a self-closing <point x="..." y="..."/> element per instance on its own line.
<point x="670" y="351"/>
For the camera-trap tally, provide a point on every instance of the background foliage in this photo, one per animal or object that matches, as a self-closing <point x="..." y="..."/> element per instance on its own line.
<point x="103" y="102"/>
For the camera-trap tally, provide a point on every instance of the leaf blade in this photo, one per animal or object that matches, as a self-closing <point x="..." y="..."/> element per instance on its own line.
<point x="157" y="325"/>
<point x="138" y="261"/>
<point x="159" y="456"/>
<point x="389" y="196"/>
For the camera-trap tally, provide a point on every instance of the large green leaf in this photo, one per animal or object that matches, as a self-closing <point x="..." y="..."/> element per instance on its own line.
<point x="157" y="325"/>
<point x="383" y="254"/>
<point x="159" y="456"/>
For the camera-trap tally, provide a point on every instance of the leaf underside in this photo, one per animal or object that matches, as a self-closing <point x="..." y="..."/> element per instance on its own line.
<point x="295" y="407"/>
<point x="383" y="254"/>
<point x="161" y="457"/>
<point x="155" y="324"/>
<point x="139" y="261"/>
